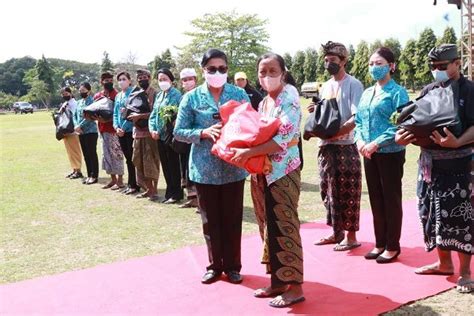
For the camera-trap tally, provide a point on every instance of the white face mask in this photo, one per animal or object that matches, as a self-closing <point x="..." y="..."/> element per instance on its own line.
<point x="216" y="80"/>
<point x="124" y="84"/>
<point x="164" y="85"/>
<point x="270" y="83"/>
<point x="189" y="85"/>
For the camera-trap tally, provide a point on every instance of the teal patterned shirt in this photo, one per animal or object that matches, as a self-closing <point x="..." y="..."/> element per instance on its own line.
<point x="119" y="105"/>
<point x="162" y="99"/>
<point x="197" y="112"/>
<point x="373" y="116"/>
<point x="87" y="126"/>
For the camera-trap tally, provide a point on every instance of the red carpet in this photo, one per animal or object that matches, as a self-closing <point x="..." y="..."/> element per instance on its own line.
<point x="335" y="283"/>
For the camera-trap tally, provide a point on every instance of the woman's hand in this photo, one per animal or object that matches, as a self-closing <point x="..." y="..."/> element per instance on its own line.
<point x="449" y="141"/>
<point x="241" y="156"/>
<point x="360" y="146"/>
<point x="120" y="132"/>
<point x="404" y="137"/>
<point x="78" y="130"/>
<point x="134" y="117"/>
<point x="212" y="132"/>
<point x="155" y="135"/>
<point x="369" y="149"/>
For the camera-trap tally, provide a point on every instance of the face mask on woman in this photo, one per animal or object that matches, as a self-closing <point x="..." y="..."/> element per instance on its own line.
<point x="164" y="85"/>
<point x="84" y="95"/>
<point x="109" y="86"/>
<point x="189" y="85"/>
<point x="124" y="84"/>
<point x="66" y="97"/>
<point x="144" y="84"/>
<point x="378" y="72"/>
<point x="216" y="80"/>
<point x="270" y="83"/>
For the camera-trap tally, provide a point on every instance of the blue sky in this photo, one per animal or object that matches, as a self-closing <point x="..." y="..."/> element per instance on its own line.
<point x="75" y="29"/>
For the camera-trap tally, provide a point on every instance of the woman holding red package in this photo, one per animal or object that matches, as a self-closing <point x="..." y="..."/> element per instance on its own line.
<point x="219" y="185"/>
<point x="283" y="252"/>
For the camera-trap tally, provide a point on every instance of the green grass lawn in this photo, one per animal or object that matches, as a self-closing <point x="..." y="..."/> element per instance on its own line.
<point x="51" y="224"/>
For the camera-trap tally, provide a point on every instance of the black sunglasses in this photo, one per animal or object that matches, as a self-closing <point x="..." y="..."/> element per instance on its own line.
<point x="442" y="67"/>
<point x="212" y="70"/>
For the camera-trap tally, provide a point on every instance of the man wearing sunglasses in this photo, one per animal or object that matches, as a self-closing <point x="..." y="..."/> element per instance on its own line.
<point x="444" y="184"/>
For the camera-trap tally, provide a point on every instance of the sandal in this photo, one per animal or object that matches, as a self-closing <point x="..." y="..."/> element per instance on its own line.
<point x="266" y="292"/>
<point x="287" y="303"/>
<point x="142" y="196"/>
<point x="116" y="187"/>
<point x="464" y="285"/>
<point x="108" y="186"/>
<point x="346" y="247"/>
<point x="329" y="240"/>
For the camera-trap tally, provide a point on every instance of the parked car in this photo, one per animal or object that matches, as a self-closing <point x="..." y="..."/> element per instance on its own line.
<point x="311" y="89"/>
<point x="22" y="108"/>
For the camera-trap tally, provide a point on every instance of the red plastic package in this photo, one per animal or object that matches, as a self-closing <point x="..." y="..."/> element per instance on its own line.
<point x="243" y="127"/>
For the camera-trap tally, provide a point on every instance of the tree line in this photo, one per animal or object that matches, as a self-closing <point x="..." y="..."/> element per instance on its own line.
<point x="244" y="37"/>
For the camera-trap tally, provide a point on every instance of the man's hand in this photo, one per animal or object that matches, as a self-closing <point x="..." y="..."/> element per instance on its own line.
<point x="369" y="149"/>
<point x="404" y="137"/>
<point x="120" y="132"/>
<point x="449" y="141"/>
<point x="311" y="107"/>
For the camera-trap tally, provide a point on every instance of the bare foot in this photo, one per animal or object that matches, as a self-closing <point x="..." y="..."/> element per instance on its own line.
<point x="435" y="269"/>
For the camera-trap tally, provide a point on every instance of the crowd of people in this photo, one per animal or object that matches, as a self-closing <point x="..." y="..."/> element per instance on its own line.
<point x="216" y="187"/>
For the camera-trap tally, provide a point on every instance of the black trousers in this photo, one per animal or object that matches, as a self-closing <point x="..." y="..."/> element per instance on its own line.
<point x="384" y="173"/>
<point x="89" y="151"/>
<point x="126" y="143"/>
<point x="221" y="213"/>
<point x="171" y="170"/>
<point x="184" y="161"/>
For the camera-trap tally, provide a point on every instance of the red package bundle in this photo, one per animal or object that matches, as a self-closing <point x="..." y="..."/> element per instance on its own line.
<point x="243" y="127"/>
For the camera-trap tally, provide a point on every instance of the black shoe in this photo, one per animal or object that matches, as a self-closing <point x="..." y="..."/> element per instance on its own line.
<point x="234" y="277"/>
<point x="84" y="181"/>
<point x="92" y="181"/>
<point x="70" y="175"/>
<point x="381" y="259"/>
<point x="76" y="175"/>
<point x="210" y="276"/>
<point x="131" y="191"/>
<point x="372" y="255"/>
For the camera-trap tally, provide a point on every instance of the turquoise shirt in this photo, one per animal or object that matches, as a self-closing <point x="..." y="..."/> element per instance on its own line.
<point x="373" y="116"/>
<point x="87" y="126"/>
<point x="197" y="111"/>
<point x="120" y="104"/>
<point x="162" y="99"/>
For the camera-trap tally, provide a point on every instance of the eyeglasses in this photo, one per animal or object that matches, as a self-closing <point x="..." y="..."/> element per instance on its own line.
<point x="441" y="67"/>
<point x="212" y="70"/>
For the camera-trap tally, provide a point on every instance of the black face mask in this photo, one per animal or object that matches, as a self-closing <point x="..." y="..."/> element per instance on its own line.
<point x="332" y="68"/>
<point x="66" y="97"/>
<point x="109" y="86"/>
<point x="84" y="95"/>
<point x="144" y="84"/>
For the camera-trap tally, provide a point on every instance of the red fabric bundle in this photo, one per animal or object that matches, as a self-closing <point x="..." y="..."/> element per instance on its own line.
<point x="243" y="127"/>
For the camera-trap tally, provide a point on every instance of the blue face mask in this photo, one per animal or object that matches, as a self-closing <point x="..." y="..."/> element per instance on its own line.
<point x="440" y="75"/>
<point x="379" y="72"/>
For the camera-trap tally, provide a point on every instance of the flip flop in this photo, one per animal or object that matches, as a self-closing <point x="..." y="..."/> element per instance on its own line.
<point x="328" y="241"/>
<point x="265" y="294"/>
<point x="346" y="247"/>
<point x="464" y="282"/>
<point x="288" y="302"/>
<point x="433" y="271"/>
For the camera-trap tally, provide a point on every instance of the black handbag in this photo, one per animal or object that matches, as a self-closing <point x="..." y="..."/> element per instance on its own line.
<point x="103" y="108"/>
<point x="434" y="111"/>
<point x="325" y="121"/>
<point x="137" y="102"/>
<point x="63" y="122"/>
<point x="168" y="138"/>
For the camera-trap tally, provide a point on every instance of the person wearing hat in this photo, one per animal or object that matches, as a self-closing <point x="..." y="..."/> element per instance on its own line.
<point x="240" y="80"/>
<point x="444" y="182"/>
<point x="339" y="162"/>
<point x="145" y="151"/>
<point x="188" y="77"/>
<point x="160" y="131"/>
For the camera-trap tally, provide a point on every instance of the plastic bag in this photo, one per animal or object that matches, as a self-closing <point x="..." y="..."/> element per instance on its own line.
<point x="63" y="122"/>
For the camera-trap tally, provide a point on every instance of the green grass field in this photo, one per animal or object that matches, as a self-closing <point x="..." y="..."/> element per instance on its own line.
<point x="51" y="224"/>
